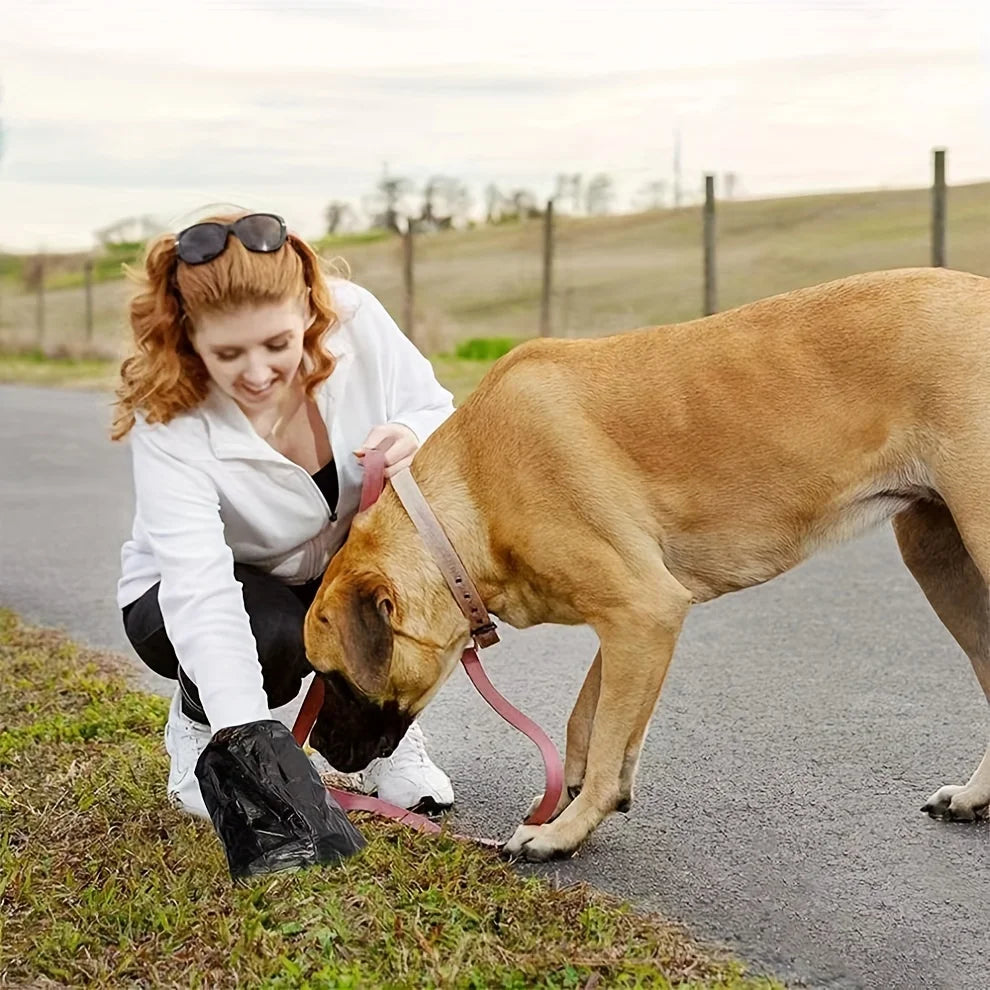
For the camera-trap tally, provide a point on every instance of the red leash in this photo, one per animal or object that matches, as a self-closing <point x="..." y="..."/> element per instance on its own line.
<point x="374" y="483"/>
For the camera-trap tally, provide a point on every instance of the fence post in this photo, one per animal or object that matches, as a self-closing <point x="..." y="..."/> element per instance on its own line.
<point x="40" y="327"/>
<point x="88" y="275"/>
<point x="407" y="281"/>
<point x="938" y="210"/>
<point x="710" y="305"/>
<point x="547" y="270"/>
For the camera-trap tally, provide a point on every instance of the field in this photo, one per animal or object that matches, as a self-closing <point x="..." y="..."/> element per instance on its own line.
<point x="610" y="273"/>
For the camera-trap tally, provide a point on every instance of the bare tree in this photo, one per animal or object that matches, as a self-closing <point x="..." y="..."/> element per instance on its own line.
<point x="129" y="230"/>
<point x="445" y="200"/>
<point x="569" y="187"/>
<point x="730" y="184"/>
<point x="387" y="205"/>
<point x="524" y="205"/>
<point x="651" y="196"/>
<point x="338" y="216"/>
<point x="493" y="203"/>
<point x="598" y="195"/>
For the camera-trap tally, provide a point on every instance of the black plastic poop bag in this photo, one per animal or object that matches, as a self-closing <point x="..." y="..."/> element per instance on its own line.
<point x="268" y="804"/>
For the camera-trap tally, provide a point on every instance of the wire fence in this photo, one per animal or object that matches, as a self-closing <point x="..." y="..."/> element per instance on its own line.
<point x="564" y="275"/>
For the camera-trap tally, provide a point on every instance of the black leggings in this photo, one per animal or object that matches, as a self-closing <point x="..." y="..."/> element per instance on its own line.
<point x="276" y="611"/>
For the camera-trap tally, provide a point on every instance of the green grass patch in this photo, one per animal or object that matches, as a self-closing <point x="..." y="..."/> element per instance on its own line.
<point x="485" y="348"/>
<point x="103" y="885"/>
<point x="337" y="242"/>
<point x="460" y="375"/>
<point x="35" y="368"/>
<point x="11" y="267"/>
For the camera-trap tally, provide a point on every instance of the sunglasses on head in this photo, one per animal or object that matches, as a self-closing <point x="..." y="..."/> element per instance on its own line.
<point x="202" y="242"/>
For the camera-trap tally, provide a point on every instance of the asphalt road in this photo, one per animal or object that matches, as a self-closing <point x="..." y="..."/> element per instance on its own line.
<point x="801" y="728"/>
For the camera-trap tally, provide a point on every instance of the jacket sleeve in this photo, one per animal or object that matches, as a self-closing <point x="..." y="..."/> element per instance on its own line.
<point x="201" y="601"/>
<point x="413" y="396"/>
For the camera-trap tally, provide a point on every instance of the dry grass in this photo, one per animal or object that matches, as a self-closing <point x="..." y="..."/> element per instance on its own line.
<point x="460" y="376"/>
<point x="611" y="273"/>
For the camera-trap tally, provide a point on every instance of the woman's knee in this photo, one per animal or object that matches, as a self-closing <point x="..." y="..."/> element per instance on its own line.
<point x="277" y="618"/>
<point x="145" y="629"/>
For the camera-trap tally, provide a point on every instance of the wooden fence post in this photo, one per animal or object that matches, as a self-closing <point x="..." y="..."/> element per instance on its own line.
<point x="710" y="305"/>
<point x="938" y="210"/>
<point x="408" y="282"/>
<point x="547" y="270"/>
<point x="88" y="275"/>
<point x="40" y="325"/>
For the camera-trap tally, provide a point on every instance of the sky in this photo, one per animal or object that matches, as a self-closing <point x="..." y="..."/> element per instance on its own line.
<point x="117" y="109"/>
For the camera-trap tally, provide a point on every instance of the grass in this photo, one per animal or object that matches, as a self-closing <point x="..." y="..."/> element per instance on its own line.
<point x="34" y="368"/>
<point x="610" y="273"/>
<point x="460" y="375"/>
<point x="103" y="885"/>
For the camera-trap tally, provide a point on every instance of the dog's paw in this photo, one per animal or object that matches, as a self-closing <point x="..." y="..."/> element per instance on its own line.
<point x="535" y="843"/>
<point x="957" y="803"/>
<point x="563" y="801"/>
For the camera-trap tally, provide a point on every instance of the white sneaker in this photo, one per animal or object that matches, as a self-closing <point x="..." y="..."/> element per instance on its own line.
<point x="409" y="778"/>
<point x="185" y="739"/>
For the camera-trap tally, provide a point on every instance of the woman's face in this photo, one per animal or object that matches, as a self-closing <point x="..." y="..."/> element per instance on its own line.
<point x="252" y="353"/>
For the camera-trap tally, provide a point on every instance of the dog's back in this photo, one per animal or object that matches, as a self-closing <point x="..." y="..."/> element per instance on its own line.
<point x="746" y="440"/>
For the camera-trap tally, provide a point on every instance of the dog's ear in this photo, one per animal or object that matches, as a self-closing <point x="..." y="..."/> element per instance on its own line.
<point x="365" y="630"/>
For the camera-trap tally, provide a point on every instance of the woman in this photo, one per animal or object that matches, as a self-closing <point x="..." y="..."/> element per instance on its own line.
<point x="254" y="389"/>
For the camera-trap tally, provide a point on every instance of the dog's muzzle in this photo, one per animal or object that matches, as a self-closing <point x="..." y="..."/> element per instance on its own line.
<point x="350" y="730"/>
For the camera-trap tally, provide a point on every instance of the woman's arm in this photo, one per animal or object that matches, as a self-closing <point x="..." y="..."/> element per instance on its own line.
<point x="200" y="600"/>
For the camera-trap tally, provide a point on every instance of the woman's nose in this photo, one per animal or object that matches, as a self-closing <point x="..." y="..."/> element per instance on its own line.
<point x="256" y="371"/>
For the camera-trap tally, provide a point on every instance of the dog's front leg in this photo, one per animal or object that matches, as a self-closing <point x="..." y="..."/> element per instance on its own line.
<point x="578" y="739"/>
<point x="963" y="802"/>
<point x="636" y="651"/>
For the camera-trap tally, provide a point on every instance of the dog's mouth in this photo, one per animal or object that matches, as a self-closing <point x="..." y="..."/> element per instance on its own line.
<point x="351" y="730"/>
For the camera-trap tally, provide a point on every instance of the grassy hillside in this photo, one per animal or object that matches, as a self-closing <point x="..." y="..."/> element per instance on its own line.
<point x="611" y="273"/>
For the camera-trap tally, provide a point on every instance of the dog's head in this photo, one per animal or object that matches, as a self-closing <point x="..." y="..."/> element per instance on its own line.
<point x="385" y="633"/>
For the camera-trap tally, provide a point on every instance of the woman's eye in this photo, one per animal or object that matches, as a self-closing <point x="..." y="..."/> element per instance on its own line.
<point x="226" y="357"/>
<point x="278" y="347"/>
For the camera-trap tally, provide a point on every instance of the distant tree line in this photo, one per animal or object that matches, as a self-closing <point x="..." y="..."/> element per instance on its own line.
<point x="444" y="202"/>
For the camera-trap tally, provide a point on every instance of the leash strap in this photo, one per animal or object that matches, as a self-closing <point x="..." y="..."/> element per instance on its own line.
<point x="371" y="488"/>
<point x="515" y="718"/>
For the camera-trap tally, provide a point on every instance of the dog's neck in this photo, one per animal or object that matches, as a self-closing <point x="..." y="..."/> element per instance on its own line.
<point x="448" y="477"/>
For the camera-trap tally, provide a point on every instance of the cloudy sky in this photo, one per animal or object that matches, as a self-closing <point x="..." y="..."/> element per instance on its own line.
<point x="111" y="109"/>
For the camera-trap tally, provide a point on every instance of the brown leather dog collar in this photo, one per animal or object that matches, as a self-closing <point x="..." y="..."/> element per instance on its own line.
<point x="442" y="550"/>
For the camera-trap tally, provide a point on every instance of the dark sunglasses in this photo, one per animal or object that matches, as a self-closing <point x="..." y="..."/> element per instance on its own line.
<point x="202" y="242"/>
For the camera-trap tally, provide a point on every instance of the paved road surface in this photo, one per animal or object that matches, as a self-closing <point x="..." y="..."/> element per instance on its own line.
<point x="801" y="727"/>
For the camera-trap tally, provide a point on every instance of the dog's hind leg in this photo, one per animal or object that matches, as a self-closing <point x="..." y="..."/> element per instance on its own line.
<point x="637" y="642"/>
<point x="934" y="551"/>
<point x="578" y="738"/>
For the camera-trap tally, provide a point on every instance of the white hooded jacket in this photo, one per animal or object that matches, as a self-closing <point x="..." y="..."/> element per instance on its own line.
<point x="210" y="491"/>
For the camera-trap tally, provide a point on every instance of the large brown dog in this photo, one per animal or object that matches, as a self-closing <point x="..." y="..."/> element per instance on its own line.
<point x="618" y="481"/>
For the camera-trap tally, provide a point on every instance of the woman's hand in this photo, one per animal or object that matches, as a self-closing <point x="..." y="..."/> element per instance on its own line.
<point x="403" y="445"/>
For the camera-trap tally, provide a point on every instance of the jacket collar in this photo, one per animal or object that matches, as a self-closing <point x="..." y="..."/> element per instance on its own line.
<point x="231" y="433"/>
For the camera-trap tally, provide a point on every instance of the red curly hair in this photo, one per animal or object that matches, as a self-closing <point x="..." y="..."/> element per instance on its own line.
<point x="164" y="376"/>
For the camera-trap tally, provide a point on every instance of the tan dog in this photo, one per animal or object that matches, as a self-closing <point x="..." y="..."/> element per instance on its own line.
<point x="618" y="481"/>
